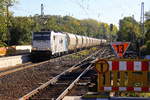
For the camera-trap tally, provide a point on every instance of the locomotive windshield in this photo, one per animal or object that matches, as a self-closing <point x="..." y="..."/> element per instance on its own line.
<point x="41" y="36"/>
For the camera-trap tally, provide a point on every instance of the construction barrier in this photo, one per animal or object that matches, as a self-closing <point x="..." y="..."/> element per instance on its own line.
<point x="123" y="75"/>
<point x="3" y="51"/>
<point x="15" y="50"/>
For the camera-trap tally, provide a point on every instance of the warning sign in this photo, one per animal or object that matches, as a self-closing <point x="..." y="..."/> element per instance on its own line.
<point x="120" y="47"/>
<point x="101" y="66"/>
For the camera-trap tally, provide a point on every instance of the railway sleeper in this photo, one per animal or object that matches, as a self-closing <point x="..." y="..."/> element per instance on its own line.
<point x="64" y="81"/>
<point x="51" y="90"/>
<point x="82" y="84"/>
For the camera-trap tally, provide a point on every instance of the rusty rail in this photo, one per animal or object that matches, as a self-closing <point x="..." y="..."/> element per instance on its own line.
<point x="55" y="79"/>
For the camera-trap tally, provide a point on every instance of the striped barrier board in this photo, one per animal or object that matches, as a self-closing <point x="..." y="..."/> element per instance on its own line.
<point x="130" y="89"/>
<point x="123" y="75"/>
<point x="129" y="65"/>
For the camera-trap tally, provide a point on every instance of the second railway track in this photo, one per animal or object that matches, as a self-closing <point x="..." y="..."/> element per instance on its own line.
<point x="59" y="86"/>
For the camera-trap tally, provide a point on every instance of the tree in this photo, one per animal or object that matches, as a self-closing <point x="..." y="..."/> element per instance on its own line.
<point x="129" y="30"/>
<point x="4" y="19"/>
<point x="147" y="26"/>
<point x="21" y="30"/>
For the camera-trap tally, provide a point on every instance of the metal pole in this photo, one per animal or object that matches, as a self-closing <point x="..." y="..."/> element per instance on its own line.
<point x="142" y="22"/>
<point x="133" y="35"/>
<point x="7" y="23"/>
<point x="42" y="10"/>
<point x="111" y="29"/>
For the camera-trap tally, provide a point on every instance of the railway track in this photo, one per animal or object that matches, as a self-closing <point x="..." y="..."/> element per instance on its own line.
<point x="61" y="85"/>
<point x="87" y="82"/>
<point x="31" y="78"/>
<point x="6" y="71"/>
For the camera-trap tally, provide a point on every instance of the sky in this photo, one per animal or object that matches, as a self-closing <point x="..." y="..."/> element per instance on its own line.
<point x="109" y="11"/>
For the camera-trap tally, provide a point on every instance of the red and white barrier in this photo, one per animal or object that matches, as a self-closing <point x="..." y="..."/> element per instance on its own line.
<point x="135" y="89"/>
<point x="129" y="65"/>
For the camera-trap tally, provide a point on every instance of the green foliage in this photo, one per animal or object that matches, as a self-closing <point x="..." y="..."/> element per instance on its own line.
<point x="80" y="54"/>
<point x="145" y="48"/>
<point x="2" y="44"/>
<point x="4" y="19"/>
<point x="148" y="45"/>
<point x="21" y="30"/>
<point x="3" y="29"/>
<point x="147" y="28"/>
<point x="129" y="30"/>
<point x="18" y="30"/>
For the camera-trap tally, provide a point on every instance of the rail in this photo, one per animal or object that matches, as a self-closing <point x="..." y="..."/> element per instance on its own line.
<point x="73" y="83"/>
<point x="55" y="79"/>
<point x="3" y="73"/>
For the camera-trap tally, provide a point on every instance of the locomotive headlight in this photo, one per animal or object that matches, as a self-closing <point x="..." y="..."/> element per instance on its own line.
<point x="48" y="49"/>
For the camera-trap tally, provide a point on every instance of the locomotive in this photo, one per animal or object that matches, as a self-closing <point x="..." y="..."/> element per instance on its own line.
<point x="49" y="43"/>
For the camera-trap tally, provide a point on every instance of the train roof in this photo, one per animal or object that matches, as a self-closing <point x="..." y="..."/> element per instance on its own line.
<point x="43" y="32"/>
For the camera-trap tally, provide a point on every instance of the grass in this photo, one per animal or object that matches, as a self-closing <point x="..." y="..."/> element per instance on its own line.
<point x="94" y="48"/>
<point x="145" y="94"/>
<point x="80" y="54"/>
<point x="83" y="53"/>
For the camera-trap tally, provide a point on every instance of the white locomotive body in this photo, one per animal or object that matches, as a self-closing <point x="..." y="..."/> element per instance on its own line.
<point x="47" y="43"/>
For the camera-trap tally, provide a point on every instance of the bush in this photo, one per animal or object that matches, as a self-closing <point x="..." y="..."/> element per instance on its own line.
<point x="2" y="44"/>
<point x="148" y="45"/>
<point x="145" y="49"/>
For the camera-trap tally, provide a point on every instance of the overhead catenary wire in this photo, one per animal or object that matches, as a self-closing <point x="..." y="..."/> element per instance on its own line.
<point x="82" y="7"/>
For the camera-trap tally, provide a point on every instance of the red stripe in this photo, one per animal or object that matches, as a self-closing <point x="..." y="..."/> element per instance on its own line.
<point x="145" y="89"/>
<point x="145" y="65"/>
<point x="130" y="88"/>
<point x="101" y="88"/>
<point x="130" y="65"/>
<point x="115" y="88"/>
<point x="115" y="65"/>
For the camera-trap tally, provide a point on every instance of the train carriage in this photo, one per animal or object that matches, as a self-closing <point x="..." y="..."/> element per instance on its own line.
<point x="72" y="41"/>
<point x="58" y="43"/>
<point x="79" y="41"/>
<point x="84" y="41"/>
<point x="48" y="43"/>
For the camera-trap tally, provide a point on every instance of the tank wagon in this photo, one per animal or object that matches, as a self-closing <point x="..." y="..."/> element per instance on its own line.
<point x="47" y="43"/>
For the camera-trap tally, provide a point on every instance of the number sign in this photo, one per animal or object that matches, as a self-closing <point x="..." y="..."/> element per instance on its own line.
<point x="120" y="48"/>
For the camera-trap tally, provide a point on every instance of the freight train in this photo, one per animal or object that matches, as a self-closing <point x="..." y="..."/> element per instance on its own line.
<point x="48" y="43"/>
